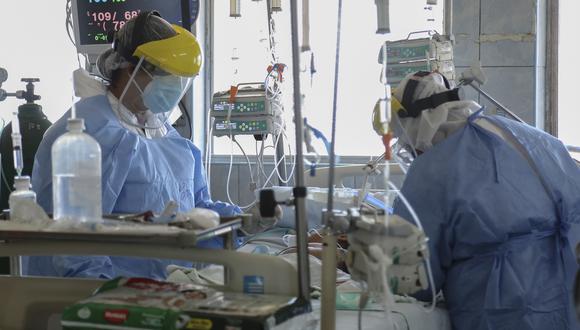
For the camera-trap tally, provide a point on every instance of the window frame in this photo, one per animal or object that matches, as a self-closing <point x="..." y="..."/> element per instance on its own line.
<point x="205" y="26"/>
<point x="551" y="75"/>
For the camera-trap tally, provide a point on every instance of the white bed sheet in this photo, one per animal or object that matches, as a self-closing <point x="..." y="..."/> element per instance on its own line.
<point x="408" y="315"/>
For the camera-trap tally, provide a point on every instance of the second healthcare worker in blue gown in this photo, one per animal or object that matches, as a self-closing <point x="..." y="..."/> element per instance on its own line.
<point x="145" y="162"/>
<point x="500" y="203"/>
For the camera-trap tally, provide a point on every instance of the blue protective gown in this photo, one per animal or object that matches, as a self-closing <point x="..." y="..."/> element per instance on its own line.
<point x="500" y="230"/>
<point x="138" y="174"/>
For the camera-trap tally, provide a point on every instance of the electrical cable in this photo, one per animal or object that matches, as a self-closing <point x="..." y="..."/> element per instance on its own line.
<point x="187" y="117"/>
<point x="232" y="140"/>
<point x="289" y="177"/>
<point x="209" y="156"/>
<point x="208" y="148"/>
<point x="68" y="21"/>
<point x="272" y="174"/>
<point x="291" y="174"/>
<point x="263" y="170"/>
<point x="257" y="164"/>
<point x="247" y="160"/>
<point x="260" y="170"/>
<point x="230" y="168"/>
<point x="272" y="92"/>
<point x="280" y="112"/>
<point x="69" y="26"/>
<point x="271" y="30"/>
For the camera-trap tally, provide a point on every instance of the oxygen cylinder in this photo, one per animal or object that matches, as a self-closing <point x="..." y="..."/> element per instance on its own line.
<point x="33" y="124"/>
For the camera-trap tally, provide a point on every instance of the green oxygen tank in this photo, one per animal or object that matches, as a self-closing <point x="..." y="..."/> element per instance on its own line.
<point x="33" y="124"/>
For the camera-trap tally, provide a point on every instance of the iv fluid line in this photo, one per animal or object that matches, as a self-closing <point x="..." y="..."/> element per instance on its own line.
<point x="17" y="145"/>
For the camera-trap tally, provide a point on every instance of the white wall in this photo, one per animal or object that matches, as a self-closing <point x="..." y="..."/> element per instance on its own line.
<point x="34" y="43"/>
<point x="569" y="73"/>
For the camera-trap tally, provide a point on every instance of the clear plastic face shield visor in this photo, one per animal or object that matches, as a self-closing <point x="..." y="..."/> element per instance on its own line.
<point x="162" y="76"/>
<point x="159" y="94"/>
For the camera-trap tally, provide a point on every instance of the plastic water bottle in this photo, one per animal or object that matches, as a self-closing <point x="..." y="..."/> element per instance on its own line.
<point x="22" y="192"/>
<point x="76" y="175"/>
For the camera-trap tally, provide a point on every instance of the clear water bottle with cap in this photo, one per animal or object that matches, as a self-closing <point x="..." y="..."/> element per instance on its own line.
<point x="21" y="192"/>
<point x="76" y="175"/>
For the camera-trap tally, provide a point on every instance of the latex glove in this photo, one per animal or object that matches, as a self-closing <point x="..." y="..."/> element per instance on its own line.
<point x="197" y="218"/>
<point x="257" y="223"/>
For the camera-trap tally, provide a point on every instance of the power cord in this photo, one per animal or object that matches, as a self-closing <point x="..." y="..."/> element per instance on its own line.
<point x="247" y="160"/>
<point x="208" y="148"/>
<point x="69" y="26"/>
<point x="232" y="138"/>
<point x="185" y="113"/>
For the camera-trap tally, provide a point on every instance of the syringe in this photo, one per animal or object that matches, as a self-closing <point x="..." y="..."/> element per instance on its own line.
<point x="17" y="144"/>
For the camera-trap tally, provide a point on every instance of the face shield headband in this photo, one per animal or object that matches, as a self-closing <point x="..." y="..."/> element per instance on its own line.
<point x="414" y="109"/>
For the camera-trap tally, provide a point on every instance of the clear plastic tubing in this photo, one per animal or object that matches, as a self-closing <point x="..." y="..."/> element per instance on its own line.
<point x="17" y="145"/>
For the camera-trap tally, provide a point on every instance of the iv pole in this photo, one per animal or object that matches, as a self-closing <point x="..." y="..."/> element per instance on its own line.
<point x="299" y="188"/>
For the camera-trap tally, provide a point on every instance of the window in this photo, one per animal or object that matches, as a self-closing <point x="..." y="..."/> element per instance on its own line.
<point x="568" y="73"/>
<point x="359" y="71"/>
<point x="35" y="45"/>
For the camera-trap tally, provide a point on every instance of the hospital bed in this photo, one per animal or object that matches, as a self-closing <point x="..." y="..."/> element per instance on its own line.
<point x="408" y="313"/>
<point x="36" y="303"/>
<point x="356" y="173"/>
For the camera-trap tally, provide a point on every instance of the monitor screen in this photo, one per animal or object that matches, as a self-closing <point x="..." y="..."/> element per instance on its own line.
<point x="95" y="18"/>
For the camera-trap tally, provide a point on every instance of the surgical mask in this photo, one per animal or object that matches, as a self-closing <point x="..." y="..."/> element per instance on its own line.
<point x="160" y="96"/>
<point x="163" y="93"/>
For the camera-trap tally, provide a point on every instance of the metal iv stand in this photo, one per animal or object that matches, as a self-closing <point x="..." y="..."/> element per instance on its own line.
<point x="299" y="190"/>
<point x="280" y="156"/>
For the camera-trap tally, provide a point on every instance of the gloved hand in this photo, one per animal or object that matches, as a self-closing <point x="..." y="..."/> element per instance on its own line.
<point x="256" y="223"/>
<point x="197" y="218"/>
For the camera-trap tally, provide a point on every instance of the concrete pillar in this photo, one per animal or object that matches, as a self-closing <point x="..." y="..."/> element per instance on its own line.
<point x="508" y="39"/>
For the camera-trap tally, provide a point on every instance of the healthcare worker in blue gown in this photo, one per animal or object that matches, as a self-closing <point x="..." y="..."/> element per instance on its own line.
<point x="500" y="203"/>
<point x="145" y="162"/>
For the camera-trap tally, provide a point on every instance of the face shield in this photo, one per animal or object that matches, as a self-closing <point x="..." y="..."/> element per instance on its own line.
<point x="162" y="76"/>
<point x="429" y="111"/>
